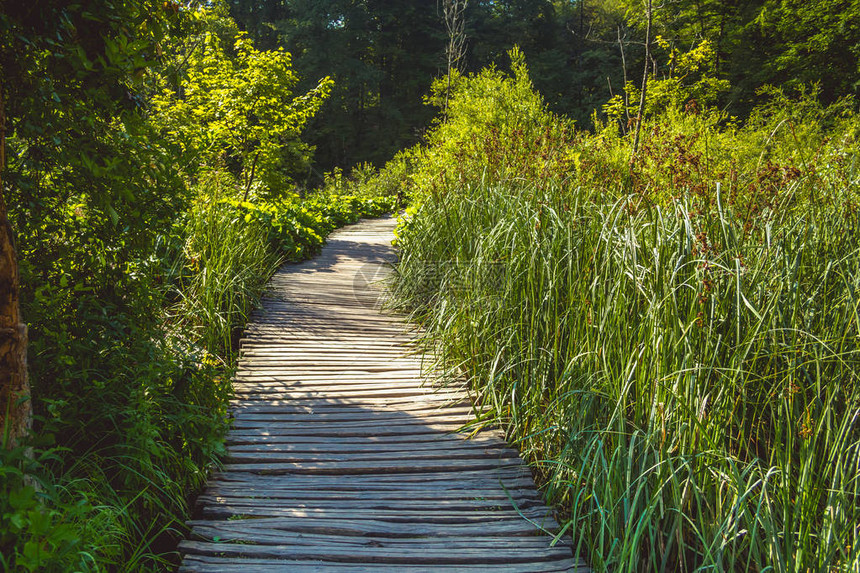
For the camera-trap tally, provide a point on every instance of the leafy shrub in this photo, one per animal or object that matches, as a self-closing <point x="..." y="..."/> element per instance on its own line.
<point x="238" y="107"/>
<point x="496" y="127"/>
<point x="37" y="531"/>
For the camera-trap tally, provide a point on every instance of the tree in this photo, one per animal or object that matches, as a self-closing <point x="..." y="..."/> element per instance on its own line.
<point x="382" y="56"/>
<point x="242" y="105"/>
<point x="644" y="91"/>
<point x="66" y="68"/>
<point x="809" y="42"/>
<point x="15" y="408"/>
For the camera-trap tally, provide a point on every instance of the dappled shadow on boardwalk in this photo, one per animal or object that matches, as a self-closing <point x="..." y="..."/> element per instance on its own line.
<point x="340" y="460"/>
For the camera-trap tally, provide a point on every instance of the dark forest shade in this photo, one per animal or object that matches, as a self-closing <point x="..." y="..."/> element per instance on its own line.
<point x="384" y="55"/>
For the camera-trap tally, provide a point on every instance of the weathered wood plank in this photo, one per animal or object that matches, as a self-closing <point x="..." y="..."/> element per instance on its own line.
<point x="536" y="517"/>
<point x="369" y="553"/>
<point x="367" y="415"/>
<point x="418" y="448"/>
<point x="500" y="475"/>
<point x="368" y="503"/>
<point x="210" y="564"/>
<point x="379" y="527"/>
<point x="288" y="538"/>
<point x="423" y="493"/>
<point x="391" y="466"/>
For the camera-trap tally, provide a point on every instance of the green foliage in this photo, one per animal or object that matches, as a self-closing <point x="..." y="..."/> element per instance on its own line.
<point x="689" y="84"/>
<point x="135" y="272"/>
<point x="382" y="57"/>
<point x="238" y="107"/>
<point x="222" y="268"/>
<point x="38" y="532"/>
<point x="496" y="126"/>
<point x="687" y="389"/>
<point x="672" y="343"/>
<point x="90" y="189"/>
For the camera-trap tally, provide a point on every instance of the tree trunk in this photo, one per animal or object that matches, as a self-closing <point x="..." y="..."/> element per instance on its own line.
<point x="453" y="15"/>
<point x="15" y="409"/>
<point x="644" y="92"/>
<point x="624" y="94"/>
<point x="250" y="178"/>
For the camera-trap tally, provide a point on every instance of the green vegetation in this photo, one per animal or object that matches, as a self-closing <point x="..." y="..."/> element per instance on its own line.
<point x="383" y="55"/>
<point x="672" y="342"/>
<point x="148" y="215"/>
<point x="652" y="286"/>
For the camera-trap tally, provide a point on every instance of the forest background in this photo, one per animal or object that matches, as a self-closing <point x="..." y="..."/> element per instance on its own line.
<point x="383" y="56"/>
<point x="147" y="216"/>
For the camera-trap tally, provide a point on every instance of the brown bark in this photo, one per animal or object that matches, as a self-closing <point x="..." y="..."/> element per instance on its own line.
<point x="15" y="409"/>
<point x="250" y="178"/>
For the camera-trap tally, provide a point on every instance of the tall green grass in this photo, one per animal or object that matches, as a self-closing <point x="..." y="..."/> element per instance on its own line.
<point x="225" y="250"/>
<point x="686" y="383"/>
<point x="226" y="261"/>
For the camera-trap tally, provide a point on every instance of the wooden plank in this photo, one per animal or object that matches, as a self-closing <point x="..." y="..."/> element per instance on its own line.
<point x="381" y="348"/>
<point x="496" y="476"/>
<point x="335" y="343"/>
<point x="379" y="526"/>
<point x="367" y="395"/>
<point x="325" y="413"/>
<point x="350" y="460"/>
<point x="391" y="466"/>
<point x="446" y="423"/>
<point x="395" y="406"/>
<point x="369" y="553"/>
<point x="212" y="564"/>
<point x="391" y="388"/>
<point x="440" y="448"/>
<point x="365" y="414"/>
<point x="538" y="516"/>
<point x="342" y="380"/>
<point x="288" y="539"/>
<point x="337" y="374"/>
<point x="382" y="401"/>
<point x="511" y="490"/>
<point x="400" y="504"/>
<point x="419" y="443"/>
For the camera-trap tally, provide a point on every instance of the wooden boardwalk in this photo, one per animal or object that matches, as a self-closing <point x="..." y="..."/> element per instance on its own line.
<point x="340" y="460"/>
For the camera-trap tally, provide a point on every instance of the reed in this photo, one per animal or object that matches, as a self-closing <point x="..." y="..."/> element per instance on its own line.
<point x="227" y="261"/>
<point x="684" y="382"/>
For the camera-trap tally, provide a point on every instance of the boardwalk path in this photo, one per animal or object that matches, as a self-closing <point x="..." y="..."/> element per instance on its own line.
<point x="339" y="459"/>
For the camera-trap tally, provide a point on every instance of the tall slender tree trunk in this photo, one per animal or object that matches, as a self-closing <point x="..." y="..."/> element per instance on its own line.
<point x="582" y="19"/>
<point x="642" y="95"/>
<point x="624" y="72"/>
<point x="15" y="409"/>
<point x="453" y="13"/>
<point x="250" y="177"/>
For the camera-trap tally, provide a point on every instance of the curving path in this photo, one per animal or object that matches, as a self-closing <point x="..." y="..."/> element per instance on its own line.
<point x="340" y="460"/>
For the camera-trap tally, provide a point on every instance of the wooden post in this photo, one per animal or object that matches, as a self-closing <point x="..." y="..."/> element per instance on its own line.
<point x="15" y="408"/>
